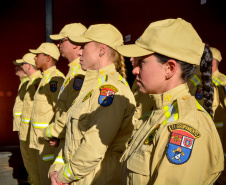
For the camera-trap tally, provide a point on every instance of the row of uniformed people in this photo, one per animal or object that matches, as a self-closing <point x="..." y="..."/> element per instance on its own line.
<point x="99" y="122"/>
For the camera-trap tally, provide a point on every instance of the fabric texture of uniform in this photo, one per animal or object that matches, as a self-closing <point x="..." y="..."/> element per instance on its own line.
<point x="68" y="93"/>
<point x="44" y="108"/>
<point x="98" y="125"/>
<point x="177" y="120"/>
<point x="18" y="106"/>
<point x="218" y="106"/>
<point x="31" y="88"/>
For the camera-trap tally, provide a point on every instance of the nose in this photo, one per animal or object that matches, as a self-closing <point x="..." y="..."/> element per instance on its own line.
<point x="79" y="53"/>
<point x="136" y="70"/>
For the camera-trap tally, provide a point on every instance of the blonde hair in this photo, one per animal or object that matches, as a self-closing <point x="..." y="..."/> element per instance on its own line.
<point x="119" y="61"/>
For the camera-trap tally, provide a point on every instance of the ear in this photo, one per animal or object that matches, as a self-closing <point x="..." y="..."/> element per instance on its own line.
<point x="103" y="49"/>
<point x="170" y="68"/>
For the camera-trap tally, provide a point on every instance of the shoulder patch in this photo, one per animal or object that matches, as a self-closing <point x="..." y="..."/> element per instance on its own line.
<point x="181" y="142"/>
<point x="107" y="94"/>
<point x="198" y="93"/>
<point x="53" y="86"/>
<point x="77" y="85"/>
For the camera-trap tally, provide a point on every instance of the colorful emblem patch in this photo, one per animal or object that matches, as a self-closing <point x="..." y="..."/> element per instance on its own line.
<point x="198" y="93"/>
<point x="107" y="94"/>
<point x="53" y="86"/>
<point x="77" y="85"/>
<point x="181" y="142"/>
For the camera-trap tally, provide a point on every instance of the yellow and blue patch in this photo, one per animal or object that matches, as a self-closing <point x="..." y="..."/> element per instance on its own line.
<point x="77" y="85"/>
<point x="53" y="86"/>
<point x="107" y="94"/>
<point x="181" y="142"/>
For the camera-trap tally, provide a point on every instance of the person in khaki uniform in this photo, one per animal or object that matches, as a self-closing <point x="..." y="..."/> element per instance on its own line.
<point x="44" y="108"/>
<point x="143" y="101"/>
<point x="27" y="63"/>
<point x="177" y="142"/>
<point x="18" y="106"/>
<point x="100" y="120"/>
<point x="219" y="99"/>
<point x="70" y="88"/>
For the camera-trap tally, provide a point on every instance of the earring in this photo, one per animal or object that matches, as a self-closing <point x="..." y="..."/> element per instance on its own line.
<point x="100" y="54"/>
<point x="167" y="76"/>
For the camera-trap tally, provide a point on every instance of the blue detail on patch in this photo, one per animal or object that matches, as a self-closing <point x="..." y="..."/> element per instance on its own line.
<point x="105" y="100"/>
<point x="198" y="93"/>
<point x="77" y="85"/>
<point x="179" y="148"/>
<point x="53" y="86"/>
<point x="224" y="90"/>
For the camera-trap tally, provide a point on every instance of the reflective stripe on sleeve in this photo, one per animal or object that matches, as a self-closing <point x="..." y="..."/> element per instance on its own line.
<point x="123" y="80"/>
<point x="17" y="113"/>
<point x="40" y="124"/>
<point x="49" y="157"/>
<point x="102" y="79"/>
<point x="68" y="173"/>
<point x="48" y="78"/>
<point x="219" y="124"/>
<point x="48" y="132"/>
<point x="26" y="120"/>
<point x="59" y="159"/>
<point x="75" y="69"/>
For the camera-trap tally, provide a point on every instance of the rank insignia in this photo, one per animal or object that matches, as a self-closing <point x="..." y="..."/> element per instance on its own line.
<point x="53" y="86"/>
<point x="77" y="85"/>
<point x="107" y="94"/>
<point x="87" y="96"/>
<point x="198" y="93"/>
<point x="181" y="142"/>
<point x="150" y="137"/>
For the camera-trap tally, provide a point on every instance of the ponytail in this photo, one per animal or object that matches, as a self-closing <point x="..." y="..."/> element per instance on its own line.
<point x="207" y="87"/>
<point x="119" y="62"/>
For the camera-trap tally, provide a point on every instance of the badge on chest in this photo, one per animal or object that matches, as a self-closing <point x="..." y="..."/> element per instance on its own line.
<point x="107" y="93"/>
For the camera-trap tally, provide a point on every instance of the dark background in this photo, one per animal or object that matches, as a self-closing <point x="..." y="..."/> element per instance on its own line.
<point x="23" y="27"/>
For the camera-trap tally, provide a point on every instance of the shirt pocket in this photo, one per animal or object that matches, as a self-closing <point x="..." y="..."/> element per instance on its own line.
<point x="140" y="160"/>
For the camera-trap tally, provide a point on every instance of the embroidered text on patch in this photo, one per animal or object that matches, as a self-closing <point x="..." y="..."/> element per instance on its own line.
<point x="181" y="142"/>
<point x="107" y="94"/>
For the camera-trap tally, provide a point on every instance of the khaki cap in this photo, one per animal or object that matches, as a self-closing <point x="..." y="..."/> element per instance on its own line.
<point x="15" y="62"/>
<point x="174" y="38"/>
<point x="47" y="48"/>
<point x="74" y="29"/>
<point x="28" y="58"/>
<point x="216" y="54"/>
<point x="102" y="33"/>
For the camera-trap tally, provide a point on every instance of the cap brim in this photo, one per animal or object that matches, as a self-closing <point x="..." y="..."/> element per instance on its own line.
<point x="15" y="63"/>
<point x="56" y="37"/>
<point x="19" y="61"/>
<point x="35" y="51"/>
<point x="78" y="39"/>
<point x="133" y="50"/>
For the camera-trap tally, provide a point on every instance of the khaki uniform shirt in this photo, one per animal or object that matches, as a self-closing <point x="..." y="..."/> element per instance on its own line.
<point x="143" y="104"/>
<point x="218" y="106"/>
<point x="44" y="105"/>
<point x="18" y="106"/>
<point x="68" y="93"/>
<point x="176" y="144"/>
<point x="32" y="86"/>
<point x="99" y="124"/>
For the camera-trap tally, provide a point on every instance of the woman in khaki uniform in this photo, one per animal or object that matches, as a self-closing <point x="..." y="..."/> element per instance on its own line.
<point x="100" y="121"/>
<point x="219" y="100"/>
<point x="177" y="142"/>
